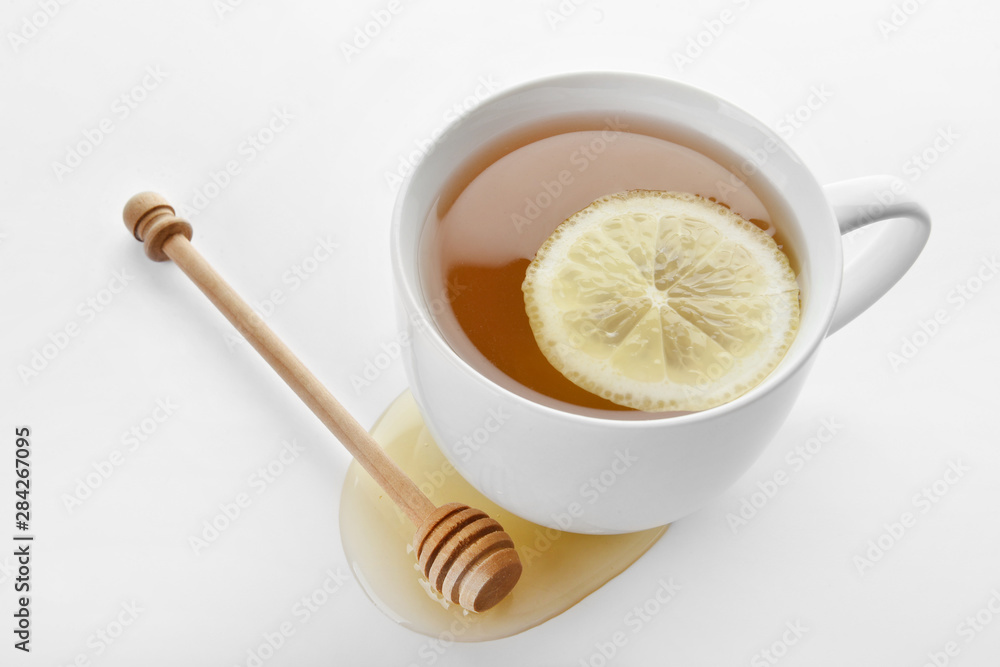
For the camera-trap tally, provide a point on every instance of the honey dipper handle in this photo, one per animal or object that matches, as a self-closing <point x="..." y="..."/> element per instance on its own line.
<point x="176" y="246"/>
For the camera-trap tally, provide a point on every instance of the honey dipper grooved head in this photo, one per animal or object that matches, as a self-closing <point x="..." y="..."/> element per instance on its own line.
<point x="151" y="219"/>
<point x="467" y="556"/>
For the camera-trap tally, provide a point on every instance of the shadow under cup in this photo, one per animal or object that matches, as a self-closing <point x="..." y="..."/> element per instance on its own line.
<point x="534" y="459"/>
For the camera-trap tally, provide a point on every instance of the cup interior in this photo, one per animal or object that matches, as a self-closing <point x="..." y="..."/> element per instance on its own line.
<point x="677" y="112"/>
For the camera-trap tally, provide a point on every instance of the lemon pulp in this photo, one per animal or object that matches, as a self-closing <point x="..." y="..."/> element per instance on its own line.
<point x="662" y="301"/>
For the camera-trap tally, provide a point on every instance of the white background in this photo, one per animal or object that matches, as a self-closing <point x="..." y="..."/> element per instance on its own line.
<point x="223" y="74"/>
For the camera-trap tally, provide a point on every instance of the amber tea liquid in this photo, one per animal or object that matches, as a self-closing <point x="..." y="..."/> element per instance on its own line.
<point x="497" y="212"/>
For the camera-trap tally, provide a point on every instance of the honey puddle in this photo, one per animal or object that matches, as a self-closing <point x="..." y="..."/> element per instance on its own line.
<point x="560" y="568"/>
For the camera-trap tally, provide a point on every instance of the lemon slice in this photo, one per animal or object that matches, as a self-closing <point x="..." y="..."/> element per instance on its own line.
<point x="662" y="301"/>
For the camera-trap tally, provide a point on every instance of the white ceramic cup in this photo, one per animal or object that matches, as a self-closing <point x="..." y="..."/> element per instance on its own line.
<point x="603" y="475"/>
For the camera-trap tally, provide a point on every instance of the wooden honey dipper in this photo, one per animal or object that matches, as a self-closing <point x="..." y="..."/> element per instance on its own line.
<point x="464" y="553"/>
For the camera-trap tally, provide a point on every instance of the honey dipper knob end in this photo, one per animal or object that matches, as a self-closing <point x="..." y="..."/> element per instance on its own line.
<point x="151" y="219"/>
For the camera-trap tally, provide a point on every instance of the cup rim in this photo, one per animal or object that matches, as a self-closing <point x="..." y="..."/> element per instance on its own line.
<point x="785" y="369"/>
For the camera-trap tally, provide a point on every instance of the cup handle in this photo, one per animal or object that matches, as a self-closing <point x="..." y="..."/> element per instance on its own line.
<point x="857" y="203"/>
